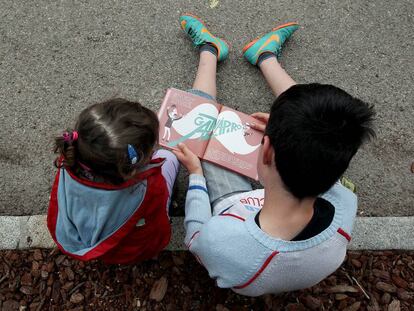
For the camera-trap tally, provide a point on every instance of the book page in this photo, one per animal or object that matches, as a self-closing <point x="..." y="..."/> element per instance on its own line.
<point x="233" y="144"/>
<point x="187" y="118"/>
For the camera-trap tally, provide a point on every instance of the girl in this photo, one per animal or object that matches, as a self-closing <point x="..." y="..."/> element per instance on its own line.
<point x="111" y="193"/>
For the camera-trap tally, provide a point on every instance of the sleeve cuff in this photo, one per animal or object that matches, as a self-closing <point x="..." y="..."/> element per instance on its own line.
<point x="197" y="180"/>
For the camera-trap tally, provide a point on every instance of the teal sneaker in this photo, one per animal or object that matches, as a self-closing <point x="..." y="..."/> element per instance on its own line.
<point x="270" y="42"/>
<point x="199" y="34"/>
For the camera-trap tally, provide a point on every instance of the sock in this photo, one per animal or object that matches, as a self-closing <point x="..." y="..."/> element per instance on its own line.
<point x="209" y="47"/>
<point x="264" y="56"/>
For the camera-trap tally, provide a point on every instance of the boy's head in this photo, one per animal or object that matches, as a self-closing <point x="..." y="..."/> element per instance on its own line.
<point x="315" y="130"/>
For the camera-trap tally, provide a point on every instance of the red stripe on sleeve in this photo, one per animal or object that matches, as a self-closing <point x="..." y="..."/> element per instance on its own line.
<point x="346" y="235"/>
<point x="266" y="263"/>
<point x="192" y="238"/>
<point x="233" y="215"/>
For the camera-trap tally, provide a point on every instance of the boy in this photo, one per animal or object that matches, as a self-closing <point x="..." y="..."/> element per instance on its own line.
<point x="303" y="218"/>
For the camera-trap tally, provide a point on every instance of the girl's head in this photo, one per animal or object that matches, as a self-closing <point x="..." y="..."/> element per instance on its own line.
<point x="104" y="132"/>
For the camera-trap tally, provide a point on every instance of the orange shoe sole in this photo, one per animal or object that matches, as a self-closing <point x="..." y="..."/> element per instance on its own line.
<point x="248" y="45"/>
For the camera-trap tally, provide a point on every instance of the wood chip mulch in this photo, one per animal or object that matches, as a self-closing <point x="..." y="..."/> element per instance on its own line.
<point x="47" y="280"/>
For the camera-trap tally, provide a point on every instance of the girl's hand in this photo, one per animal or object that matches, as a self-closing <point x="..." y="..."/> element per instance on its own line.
<point x="188" y="159"/>
<point x="263" y="118"/>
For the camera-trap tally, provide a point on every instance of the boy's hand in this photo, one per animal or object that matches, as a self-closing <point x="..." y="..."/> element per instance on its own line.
<point x="263" y="118"/>
<point x="188" y="159"/>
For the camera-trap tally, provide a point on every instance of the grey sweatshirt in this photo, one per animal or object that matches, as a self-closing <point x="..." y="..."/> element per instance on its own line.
<point x="239" y="255"/>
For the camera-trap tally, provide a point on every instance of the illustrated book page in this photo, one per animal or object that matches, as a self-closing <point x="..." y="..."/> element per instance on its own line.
<point x="215" y="133"/>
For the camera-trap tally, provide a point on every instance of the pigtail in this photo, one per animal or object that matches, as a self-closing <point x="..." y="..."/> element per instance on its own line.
<point x="65" y="147"/>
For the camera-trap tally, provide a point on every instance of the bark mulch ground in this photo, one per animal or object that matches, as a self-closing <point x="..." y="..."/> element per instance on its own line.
<point x="47" y="280"/>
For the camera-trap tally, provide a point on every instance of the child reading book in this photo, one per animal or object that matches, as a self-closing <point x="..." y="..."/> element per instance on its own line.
<point x="112" y="189"/>
<point x="294" y="232"/>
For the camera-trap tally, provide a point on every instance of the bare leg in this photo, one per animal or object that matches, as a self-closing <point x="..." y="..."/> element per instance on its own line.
<point x="168" y="133"/>
<point x="277" y="78"/>
<point x="206" y="74"/>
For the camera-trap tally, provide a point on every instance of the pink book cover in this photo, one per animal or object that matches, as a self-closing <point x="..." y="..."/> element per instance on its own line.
<point x="213" y="132"/>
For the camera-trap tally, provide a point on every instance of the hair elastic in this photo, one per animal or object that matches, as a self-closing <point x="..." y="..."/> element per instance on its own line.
<point x="69" y="138"/>
<point x="66" y="137"/>
<point x="75" y="135"/>
<point x="132" y="154"/>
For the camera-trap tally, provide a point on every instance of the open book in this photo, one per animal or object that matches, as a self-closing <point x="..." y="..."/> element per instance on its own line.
<point x="214" y="132"/>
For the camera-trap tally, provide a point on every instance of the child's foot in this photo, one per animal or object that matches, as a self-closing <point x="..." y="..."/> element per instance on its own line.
<point x="200" y="36"/>
<point x="269" y="43"/>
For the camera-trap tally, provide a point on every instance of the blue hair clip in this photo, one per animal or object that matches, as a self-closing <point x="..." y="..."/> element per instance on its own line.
<point x="132" y="154"/>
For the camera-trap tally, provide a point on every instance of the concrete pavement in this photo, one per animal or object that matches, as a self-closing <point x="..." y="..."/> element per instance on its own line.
<point x="56" y="57"/>
<point x="372" y="233"/>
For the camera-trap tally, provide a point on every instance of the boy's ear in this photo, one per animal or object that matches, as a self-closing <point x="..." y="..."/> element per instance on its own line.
<point x="268" y="151"/>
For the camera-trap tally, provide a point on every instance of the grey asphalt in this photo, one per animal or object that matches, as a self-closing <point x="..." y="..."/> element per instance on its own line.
<point x="57" y="57"/>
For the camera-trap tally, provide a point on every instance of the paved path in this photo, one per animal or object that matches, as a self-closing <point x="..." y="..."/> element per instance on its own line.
<point x="56" y="57"/>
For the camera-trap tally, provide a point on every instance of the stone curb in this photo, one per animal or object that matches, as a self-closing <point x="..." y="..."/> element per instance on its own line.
<point x="370" y="233"/>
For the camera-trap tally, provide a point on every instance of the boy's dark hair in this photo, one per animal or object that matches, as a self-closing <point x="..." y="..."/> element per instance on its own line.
<point x="315" y="131"/>
<point x="105" y="130"/>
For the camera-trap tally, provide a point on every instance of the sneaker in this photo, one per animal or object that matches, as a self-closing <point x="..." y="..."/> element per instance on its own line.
<point x="270" y="42"/>
<point x="199" y="34"/>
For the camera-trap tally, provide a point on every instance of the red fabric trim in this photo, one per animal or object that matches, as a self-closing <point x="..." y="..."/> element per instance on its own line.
<point x="258" y="272"/>
<point x="233" y="215"/>
<point x="346" y="235"/>
<point x="52" y="212"/>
